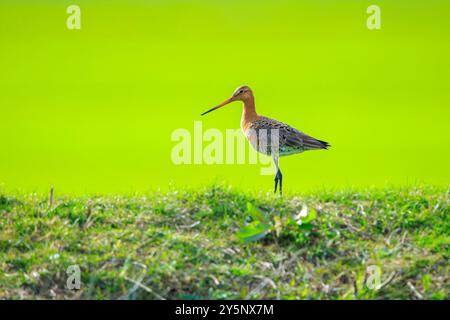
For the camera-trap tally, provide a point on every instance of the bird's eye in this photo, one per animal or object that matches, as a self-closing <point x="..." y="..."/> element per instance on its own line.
<point x="241" y="91"/>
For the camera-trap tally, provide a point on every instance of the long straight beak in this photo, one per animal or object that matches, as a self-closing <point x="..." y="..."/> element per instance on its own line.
<point x="219" y="106"/>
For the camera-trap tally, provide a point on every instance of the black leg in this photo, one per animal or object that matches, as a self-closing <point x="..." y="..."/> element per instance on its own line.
<point x="276" y="183"/>
<point x="279" y="177"/>
<point x="281" y="181"/>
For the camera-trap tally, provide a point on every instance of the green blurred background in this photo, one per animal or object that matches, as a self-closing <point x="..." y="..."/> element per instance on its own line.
<point x="92" y="110"/>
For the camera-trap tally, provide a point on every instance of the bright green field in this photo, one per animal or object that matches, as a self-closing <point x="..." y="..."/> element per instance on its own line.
<point x="92" y="111"/>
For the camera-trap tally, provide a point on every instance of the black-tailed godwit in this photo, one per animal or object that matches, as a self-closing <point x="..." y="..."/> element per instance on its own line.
<point x="270" y="136"/>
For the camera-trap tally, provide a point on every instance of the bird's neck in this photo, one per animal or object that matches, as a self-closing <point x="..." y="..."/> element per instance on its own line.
<point x="248" y="112"/>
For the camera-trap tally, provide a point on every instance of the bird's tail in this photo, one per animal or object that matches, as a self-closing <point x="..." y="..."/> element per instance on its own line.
<point x="311" y="144"/>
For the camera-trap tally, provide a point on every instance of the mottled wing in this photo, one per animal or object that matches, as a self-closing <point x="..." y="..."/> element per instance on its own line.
<point x="267" y="135"/>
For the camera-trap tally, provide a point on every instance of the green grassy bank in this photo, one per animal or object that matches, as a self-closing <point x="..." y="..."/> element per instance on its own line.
<point x="195" y="245"/>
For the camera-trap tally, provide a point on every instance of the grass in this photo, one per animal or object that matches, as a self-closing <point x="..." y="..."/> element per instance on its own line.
<point x="189" y="245"/>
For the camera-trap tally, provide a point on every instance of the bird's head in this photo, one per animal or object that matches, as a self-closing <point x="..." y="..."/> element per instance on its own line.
<point x="243" y="93"/>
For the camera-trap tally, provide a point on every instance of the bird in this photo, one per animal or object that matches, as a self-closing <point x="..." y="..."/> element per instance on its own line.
<point x="270" y="136"/>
